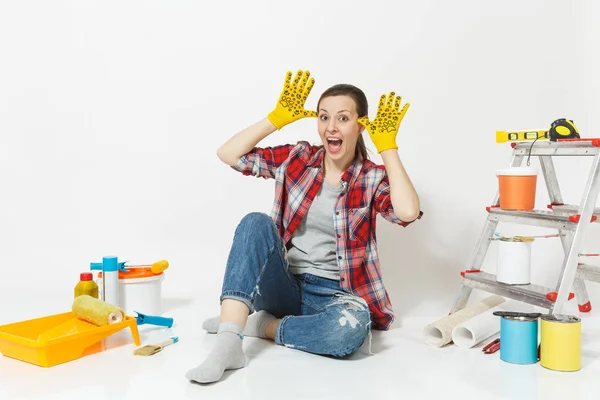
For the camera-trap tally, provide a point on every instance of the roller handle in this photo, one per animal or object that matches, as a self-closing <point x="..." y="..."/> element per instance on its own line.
<point x="153" y="320"/>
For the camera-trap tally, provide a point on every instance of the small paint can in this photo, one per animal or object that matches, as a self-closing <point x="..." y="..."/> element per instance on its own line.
<point x="560" y="342"/>
<point x="519" y="339"/>
<point x="514" y="261"/>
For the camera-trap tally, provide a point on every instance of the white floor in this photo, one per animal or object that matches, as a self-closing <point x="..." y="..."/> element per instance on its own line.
<point x="403" y="367"/>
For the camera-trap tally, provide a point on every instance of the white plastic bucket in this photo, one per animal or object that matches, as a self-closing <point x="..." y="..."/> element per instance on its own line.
<point x="514" y="262"/>
<point x="140" y="291"/>
<point x="143" y="295"/>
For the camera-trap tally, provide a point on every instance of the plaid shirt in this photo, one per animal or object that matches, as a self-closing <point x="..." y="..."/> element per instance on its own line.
<point x="298" y="177"/>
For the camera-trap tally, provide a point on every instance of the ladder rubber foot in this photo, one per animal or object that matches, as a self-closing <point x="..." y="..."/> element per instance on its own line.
<point x="587" y="307"/>
<point x="553" y="295"/>
<point x="575" y="218"/>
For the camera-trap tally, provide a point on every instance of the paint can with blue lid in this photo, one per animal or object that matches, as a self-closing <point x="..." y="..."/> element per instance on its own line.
<point x="518" y="337"/>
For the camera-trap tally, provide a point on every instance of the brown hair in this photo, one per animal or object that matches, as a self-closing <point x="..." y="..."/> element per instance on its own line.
<point x="362" y="108"/>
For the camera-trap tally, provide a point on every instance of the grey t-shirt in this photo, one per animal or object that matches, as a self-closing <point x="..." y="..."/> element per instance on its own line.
<point x="312" y="249"/>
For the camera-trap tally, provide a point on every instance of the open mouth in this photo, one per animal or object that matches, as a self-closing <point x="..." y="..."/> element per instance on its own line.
<point x="334" y="144"/>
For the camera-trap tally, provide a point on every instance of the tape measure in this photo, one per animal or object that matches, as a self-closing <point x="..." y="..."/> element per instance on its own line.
<point x="563" y="129"/>
<point x="560" y="129"/>
<point x="521" y="136"/>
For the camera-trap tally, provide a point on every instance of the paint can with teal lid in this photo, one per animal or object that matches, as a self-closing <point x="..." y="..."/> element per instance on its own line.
<point x="518" y="337"/>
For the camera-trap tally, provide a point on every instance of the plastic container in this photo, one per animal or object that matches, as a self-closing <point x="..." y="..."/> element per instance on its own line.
<point x="110" y="287"/>
<point x="517" y="187"/>
<point x="560" y="344"/>
<point x="86" y="285"/>
<point x="140" y="290"/>
<point x="514" y="261"/>
<point x="519" y="340"/>
<point x="57" y="339"/>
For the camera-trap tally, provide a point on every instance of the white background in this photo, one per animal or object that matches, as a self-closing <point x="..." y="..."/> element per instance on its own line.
<point x="111" y="114"/>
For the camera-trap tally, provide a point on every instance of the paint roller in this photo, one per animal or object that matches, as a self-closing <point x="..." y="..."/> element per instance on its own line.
<point x="96" y="311"/>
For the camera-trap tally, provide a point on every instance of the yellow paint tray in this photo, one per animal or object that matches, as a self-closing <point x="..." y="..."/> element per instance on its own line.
<point x="57" y="339"/>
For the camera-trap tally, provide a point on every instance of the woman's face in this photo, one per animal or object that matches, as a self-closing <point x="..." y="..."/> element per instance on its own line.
<point x="338" y="127"/>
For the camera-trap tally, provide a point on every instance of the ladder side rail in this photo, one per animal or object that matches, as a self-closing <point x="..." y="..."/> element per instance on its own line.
<point x="586" y="210"/>
<point x="566" y="238"/>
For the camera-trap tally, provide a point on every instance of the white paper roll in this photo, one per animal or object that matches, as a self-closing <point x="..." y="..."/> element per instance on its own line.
<point x="481" y="327"/>
<point x="439" y="333"/>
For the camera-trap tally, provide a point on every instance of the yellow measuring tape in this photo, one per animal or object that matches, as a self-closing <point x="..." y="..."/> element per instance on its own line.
<point x="521" y="136"/>
<point x="560" y="129"/>
<point x="563" y="129"/>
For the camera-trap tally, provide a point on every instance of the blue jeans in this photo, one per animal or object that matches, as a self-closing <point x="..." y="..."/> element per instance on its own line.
<point x="317" y="316"/>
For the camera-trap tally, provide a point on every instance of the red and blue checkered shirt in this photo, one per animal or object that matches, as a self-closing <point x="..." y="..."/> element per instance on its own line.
<point x="298" y="173"/>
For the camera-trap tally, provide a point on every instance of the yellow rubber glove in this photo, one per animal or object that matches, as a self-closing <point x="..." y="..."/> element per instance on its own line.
<point x="384" y="128"/>
<point x="290" y="106"/>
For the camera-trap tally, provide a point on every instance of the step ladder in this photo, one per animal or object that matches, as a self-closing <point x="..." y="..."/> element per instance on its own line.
<point x="571" y="222"/>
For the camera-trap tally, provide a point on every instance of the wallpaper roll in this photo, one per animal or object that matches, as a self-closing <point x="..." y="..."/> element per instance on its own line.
<point x="481" y="327"/>
<point x="439" y="333"/>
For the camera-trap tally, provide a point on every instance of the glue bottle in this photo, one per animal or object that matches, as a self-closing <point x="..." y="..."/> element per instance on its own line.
<point x="86" y="285"/>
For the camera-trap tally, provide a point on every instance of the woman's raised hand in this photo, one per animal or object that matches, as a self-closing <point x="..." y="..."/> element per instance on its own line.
<point x="290" y="106"/>
<point x="384" y="128"/>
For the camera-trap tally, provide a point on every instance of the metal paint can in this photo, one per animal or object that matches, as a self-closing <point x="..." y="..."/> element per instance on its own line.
<point x="519" y="339"/>
<point x="560" y="344"/>
<point x="514" y="261"/>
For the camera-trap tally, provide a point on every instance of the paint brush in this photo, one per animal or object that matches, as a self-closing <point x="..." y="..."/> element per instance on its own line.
<point x="151" y="349"/>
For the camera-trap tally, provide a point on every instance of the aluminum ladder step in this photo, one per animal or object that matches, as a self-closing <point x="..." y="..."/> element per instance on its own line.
<point x="562" y="148"/>
<point x="542" y="218"/>
<point x="531" y="294"/>
<point x="570" y="209"/>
